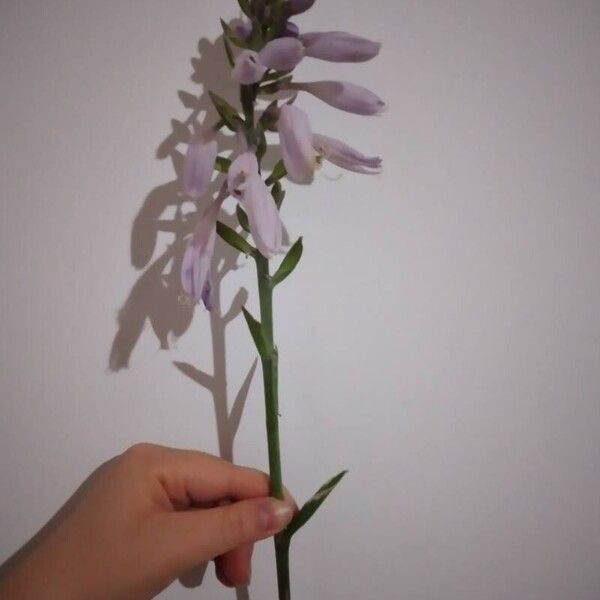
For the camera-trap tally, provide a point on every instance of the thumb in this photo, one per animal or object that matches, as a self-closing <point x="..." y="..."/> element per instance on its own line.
<point x="197" y="536"/>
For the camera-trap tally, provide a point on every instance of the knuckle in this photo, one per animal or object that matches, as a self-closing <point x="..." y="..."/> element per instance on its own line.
<point x="139" y="453"/>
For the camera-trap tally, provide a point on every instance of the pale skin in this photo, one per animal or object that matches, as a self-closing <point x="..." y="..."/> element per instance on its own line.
<point x="143" y="519"/>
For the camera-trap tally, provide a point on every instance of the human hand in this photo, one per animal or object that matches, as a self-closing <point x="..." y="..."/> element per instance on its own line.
<point x="141" y="520"/>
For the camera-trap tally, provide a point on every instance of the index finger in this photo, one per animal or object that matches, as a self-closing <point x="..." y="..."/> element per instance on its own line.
<point x="190" y="476"/>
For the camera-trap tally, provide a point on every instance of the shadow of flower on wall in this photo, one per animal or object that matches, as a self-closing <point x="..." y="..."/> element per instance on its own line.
<point x="156" y="297"/>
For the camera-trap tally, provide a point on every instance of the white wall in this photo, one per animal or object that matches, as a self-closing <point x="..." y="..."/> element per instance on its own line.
<point x="440" y="339"/>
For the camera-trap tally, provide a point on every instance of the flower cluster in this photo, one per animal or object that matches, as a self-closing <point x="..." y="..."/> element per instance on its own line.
<point x="270" y="47"/>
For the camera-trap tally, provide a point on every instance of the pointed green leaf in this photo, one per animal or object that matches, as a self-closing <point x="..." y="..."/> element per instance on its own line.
<point x="222" y="164"/>
<point x="258" y="334"/>
<point x="277" y="173"/>
<point x="242" y="217"/>
<point x="228" y="51"/>
<point x="261" y="147"/>
<point x="230" y="35"/>
<point x="246" y="8"/>
<point x="226" y="112"/>
<point x="278" y="194"/>
<point x="268" y="119"/>
<point x="288" y="264"/>
<point x="309" y="509"/>
<point x="234" y="239"/>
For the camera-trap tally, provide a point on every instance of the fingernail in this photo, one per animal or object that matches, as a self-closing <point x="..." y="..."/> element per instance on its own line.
<point x="274" y="515"/>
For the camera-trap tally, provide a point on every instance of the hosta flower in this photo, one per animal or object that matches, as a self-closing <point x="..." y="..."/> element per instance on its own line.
<point x="247" y="68"/>
<point x="343" y="95"/>
<point x="299" y="6"/>
<point x="246" y="184"/>
<point x="282" y="54"/>
<point x="338" y="46"/>
<point x="263" y="217"/>
<point x="196" y="267"/>
<point x="344" y="156"/>
<point x="198" y="164"/>
<point x="295" y="139"/>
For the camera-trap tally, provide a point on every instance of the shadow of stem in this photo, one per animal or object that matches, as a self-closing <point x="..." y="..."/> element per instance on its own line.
<point x="156" y="295"/>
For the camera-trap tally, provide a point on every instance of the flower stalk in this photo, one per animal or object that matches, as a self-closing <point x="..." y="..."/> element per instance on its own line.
<point x="263" y="51"/>
<point x="271" y="393"/>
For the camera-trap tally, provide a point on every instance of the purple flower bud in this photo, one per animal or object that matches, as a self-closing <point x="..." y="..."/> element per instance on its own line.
<point x="344" y="156"/>
<point x="241" y="28"/>
<point x="290" y="30"/>
<point x="196" y="267"/>
<point x="247" y="68"/>
<point x="343" y="95"/>
<point x="300" y="6"/>
<point x="198" y="164"/>
<point x="295" y="140"/>
<point x="338" y="46"/>
<point x="282" y="54"/>
<point x="246" y="184"/>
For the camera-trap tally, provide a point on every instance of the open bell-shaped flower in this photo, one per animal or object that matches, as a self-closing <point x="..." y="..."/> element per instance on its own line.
<point x="247" y="68"/>
<point x="339" y="46"/>
<point x="343" y="95"/>
<point x="245" y="183"/>
<point x="198" y="164"/>
<point x="196" y="267"/>
<point x="296" y="142"/>
<point x="344" y="156"/>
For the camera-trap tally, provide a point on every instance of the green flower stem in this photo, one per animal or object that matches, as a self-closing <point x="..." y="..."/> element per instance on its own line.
<point x="269" y="364"/>
<point x="269" y="367"/>
<point x="282" y="559"/>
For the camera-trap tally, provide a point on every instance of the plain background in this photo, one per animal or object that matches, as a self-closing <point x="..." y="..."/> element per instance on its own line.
<point x="440" y="339"/>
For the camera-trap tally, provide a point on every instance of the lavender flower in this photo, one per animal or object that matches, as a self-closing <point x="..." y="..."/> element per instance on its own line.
<point x="263" y="217"/>
<point x="344" y="156"/>
<point x="246" y="184"/>
<point x="282" y="54"/>
<point x="296" y="142"/>
<point x="196" y="267"/>
<point x="343" y="95"/>
<point x="198" y="164"/>
<point x="338" y="46"/>
<point x="247" y="68"/>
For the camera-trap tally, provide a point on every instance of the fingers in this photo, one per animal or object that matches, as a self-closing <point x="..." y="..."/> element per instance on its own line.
<point x="194" y="477"/>
<point x="195" y="536"/>
<point x="234" y="568"/>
